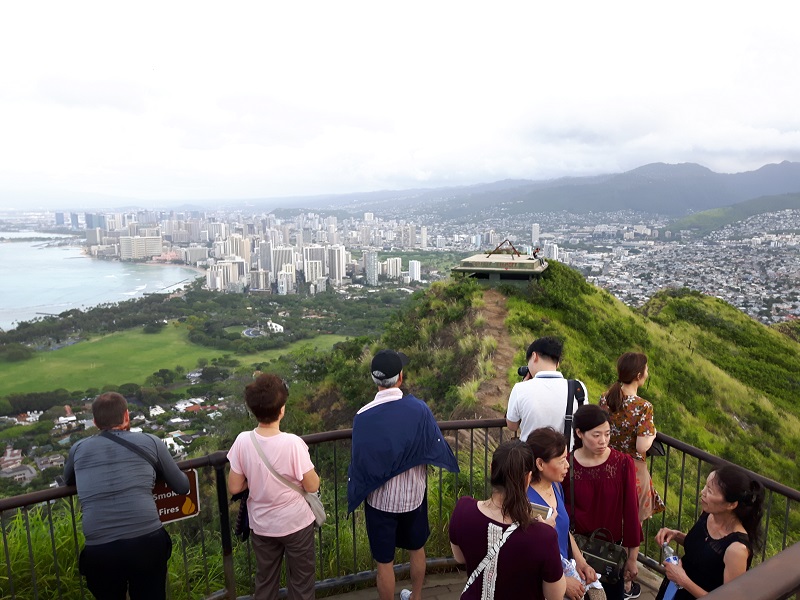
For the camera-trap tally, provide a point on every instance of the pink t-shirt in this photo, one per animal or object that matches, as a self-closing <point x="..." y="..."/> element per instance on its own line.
<point x="274" y="509"/>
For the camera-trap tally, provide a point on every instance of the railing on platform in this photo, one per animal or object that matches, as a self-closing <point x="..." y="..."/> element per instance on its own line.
<point x="41" y="531"/>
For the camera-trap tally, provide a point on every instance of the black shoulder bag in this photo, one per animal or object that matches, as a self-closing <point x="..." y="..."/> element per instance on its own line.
<point x="603" y="555"/>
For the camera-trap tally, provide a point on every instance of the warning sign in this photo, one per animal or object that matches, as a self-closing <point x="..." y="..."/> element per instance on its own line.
<point x="174" y="507"/>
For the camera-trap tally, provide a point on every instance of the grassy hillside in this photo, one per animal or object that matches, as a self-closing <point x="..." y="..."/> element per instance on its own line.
<point x="710" y="220"/>
<point x="719" y="380"/>
<point x="124" y="357"/>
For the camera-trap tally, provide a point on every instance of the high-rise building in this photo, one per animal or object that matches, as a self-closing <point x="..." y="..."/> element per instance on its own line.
<point x="393" y="267"/>
<point x="265" y="257"/>
<point x="94" y="236"/>
<point x="336" y="264"/>
<point x="313" y="253"/>
<point x="412" y="235"/>
<point x="415" y="270"/>
<point x="535" y="234"/>
<point x="423" y="237"/>
<point x="281" y="256"/>
<point x="313" y="270"/>
<point x="218" y="231"/>
<point x="286" y="280"/>
<point x="371" y="267"/>
<point x="59" y="219"/>
<point x="195" y="254"/>
<point x="259" y="280"/>
<point x="73" y="217"/>
<point x="368" y="216"/>
<point x="139" y="247"/>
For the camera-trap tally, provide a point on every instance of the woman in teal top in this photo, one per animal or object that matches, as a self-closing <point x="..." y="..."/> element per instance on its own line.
<point x="551" y="466"/>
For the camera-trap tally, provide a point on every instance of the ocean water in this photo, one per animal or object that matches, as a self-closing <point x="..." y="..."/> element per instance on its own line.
<point x="37" y="279"/>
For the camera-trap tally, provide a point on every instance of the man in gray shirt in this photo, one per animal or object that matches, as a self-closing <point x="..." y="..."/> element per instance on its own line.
<point x="126" y="549"/>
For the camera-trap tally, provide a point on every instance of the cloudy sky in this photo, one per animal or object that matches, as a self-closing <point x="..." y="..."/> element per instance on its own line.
<point x="171" y="101"/>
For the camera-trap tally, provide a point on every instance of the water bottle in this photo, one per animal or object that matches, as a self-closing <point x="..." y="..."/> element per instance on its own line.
<point x="671" y="558"/>
<point x="669" y="554"/>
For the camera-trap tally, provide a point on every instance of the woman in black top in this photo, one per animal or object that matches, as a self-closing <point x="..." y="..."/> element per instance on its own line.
<point x="720" y="546"/>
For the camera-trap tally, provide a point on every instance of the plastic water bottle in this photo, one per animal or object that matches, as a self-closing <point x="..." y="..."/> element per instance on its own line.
<point x="669" y="554"/>
<point x="671" y="558"/>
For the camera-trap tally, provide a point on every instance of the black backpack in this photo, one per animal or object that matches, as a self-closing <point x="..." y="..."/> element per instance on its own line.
<point x="574" y="392"/>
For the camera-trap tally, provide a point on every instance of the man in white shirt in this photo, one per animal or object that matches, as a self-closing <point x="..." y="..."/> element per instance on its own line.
<point x="540" y="400"/>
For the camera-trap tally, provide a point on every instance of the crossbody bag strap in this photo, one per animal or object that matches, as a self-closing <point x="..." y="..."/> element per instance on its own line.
<point x="574" y="392"/>
<point x="490" y="555"/>
<point x="572" y="491"/>
<point x="133" y="448"/>
<point x="272" y="470"/>
<point x="571" y="383"/>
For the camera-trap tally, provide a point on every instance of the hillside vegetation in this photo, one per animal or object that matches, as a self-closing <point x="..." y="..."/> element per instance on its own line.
<point x="719" y="380"/>
<point x="717" y="218"/>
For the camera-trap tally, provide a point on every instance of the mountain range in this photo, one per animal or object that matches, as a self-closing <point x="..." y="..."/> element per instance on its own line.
<point x="668" y="189"/>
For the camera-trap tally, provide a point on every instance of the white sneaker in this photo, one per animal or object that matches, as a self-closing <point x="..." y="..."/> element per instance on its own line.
<point x="405" y="594"/>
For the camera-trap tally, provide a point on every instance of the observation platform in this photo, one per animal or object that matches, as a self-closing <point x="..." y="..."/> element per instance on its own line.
<point x="500" y="267"/>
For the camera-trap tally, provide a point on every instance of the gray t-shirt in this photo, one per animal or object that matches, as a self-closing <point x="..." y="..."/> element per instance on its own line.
<point x="115" y="485"/>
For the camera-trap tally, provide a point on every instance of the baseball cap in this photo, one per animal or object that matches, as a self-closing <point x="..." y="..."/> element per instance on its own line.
<point x="387" y="364"/>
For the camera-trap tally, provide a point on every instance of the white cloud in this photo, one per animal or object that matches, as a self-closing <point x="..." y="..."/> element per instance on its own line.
<point x="184" y="100"/>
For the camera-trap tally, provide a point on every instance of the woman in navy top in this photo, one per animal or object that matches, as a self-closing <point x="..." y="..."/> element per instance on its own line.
<point x="551" y="466"/>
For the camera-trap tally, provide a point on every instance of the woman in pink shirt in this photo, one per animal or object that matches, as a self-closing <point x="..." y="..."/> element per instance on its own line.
<point x="280" y="519"/>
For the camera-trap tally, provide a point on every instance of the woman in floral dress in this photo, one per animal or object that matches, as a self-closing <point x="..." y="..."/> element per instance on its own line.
<point x="632" y="429"/>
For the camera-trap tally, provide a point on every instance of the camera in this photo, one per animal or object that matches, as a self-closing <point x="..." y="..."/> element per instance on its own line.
<point x="522" y="371"/>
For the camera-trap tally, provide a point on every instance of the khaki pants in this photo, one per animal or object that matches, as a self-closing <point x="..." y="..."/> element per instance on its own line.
<point x="300" y="564"/>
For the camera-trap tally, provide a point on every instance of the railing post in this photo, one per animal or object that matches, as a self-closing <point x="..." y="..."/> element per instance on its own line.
<point x="225" y="533"/>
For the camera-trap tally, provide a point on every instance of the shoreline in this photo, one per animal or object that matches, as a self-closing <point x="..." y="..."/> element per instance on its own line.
<point x="63" y="284"/>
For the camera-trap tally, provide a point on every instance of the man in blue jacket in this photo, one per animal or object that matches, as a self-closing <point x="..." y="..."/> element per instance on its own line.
<point x="395" y="437"/>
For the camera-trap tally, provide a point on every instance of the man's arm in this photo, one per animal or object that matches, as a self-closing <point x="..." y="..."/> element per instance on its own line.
<point x="513" y="425"/>
<point x="175" y="478"/>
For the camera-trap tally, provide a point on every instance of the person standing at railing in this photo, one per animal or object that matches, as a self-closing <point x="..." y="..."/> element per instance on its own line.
<point x="719" y="547"/>
<point x="395" y="437"/>
<point x="603" y="481"/>
<point x="540" y="399"/>
<point x="509" y="555"/>
<point x="633" y="432"/>
<point x="127" y="548"/>
<point x="280" y="519"/>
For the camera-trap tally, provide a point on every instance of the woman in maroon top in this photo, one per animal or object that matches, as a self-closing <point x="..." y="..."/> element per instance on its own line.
<point x="605" y="489"/>
<point x="528" y="564"/>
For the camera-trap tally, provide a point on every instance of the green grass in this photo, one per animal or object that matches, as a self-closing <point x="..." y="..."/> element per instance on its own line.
<point x="125" y="357"/>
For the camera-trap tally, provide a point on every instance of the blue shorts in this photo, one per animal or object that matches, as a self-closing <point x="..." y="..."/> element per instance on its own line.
<point x="387" y="531"/>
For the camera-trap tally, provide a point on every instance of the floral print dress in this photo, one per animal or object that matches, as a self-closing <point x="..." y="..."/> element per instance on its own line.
<point x="635" y="418"/>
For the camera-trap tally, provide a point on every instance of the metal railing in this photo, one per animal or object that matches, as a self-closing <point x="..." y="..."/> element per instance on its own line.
<point x="41" y="535"/>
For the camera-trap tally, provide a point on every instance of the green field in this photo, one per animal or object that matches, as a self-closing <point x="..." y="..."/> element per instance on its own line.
<point x="125" y="357"/>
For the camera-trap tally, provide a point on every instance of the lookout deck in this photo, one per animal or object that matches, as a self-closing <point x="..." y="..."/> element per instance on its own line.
<point x="498" y="267"/>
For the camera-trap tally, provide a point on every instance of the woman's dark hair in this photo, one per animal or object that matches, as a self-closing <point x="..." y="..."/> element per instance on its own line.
<point x="586" y="418"/>
<point x="511" y="463"/>
<point x="265" y="397"/>
<point x="545" y="443"/>
<point x="737" y="486"/>
<point x="629" y="366"/>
